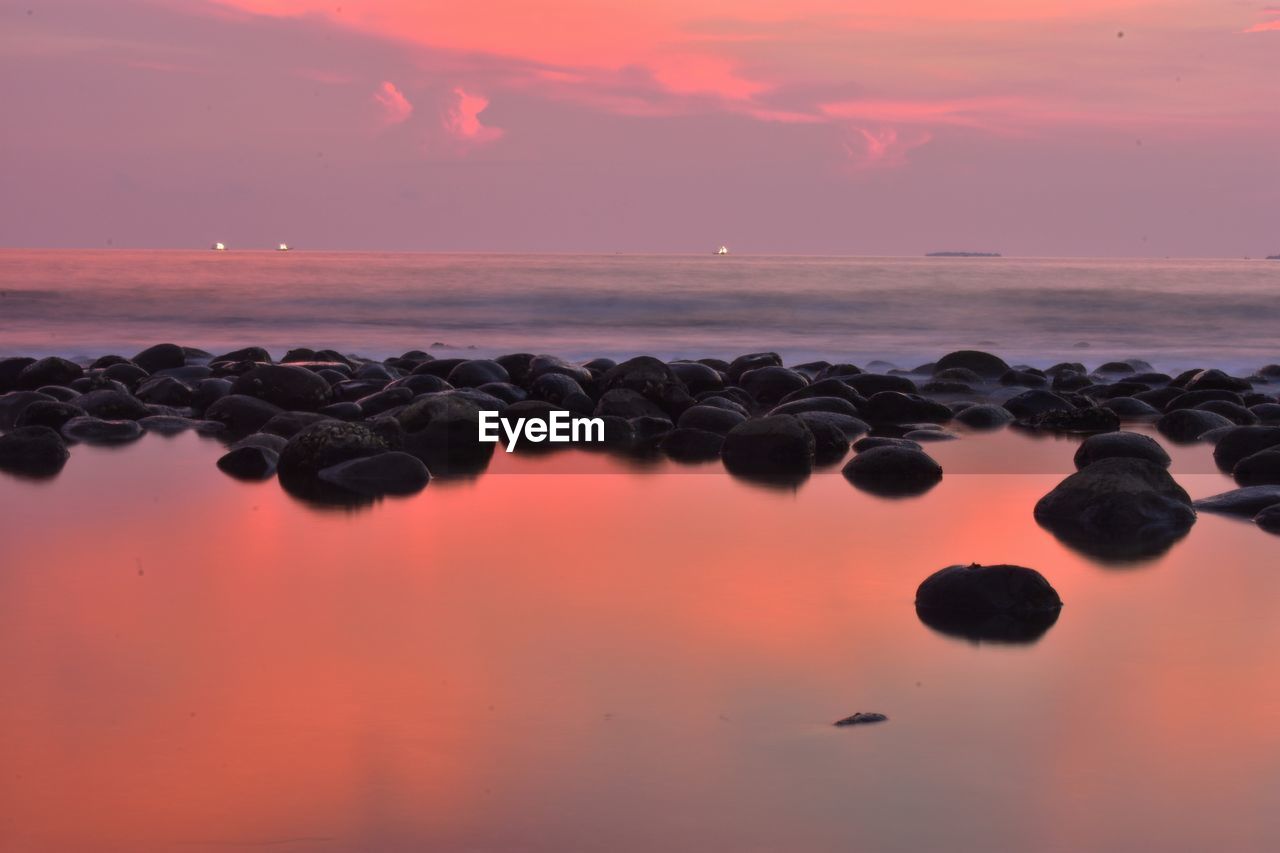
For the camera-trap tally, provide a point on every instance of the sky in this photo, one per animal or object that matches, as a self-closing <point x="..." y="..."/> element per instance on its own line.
<point x="884" y="127"/>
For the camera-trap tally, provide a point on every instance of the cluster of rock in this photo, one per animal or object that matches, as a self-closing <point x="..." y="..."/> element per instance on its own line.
<point x="332" y="425"/>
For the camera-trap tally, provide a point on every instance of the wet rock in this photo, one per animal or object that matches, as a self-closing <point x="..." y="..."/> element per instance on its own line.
<point x="268" y="440"/>
<point x="871" y="442"/>
<point x="1267" y="413"/>
<point x="892" y="407"/>
<point x="1248" y="501"/>
<point x="287" y="386"/>
<point x="393" y="473"/>
<point x="243" y="354"/>
<point x="861" y="719"/>
<point x="652" y="379"/>
<point x="837" y="405"/>
<point x="1035" y="402"/>
<point x="61" y="393"/>
<point x="1023" y="378"/>
<point x="849" y="427"/>
<point x="943" y="387"/>
<point x="249" y="462"/>
<point x="1068" y="381"/>
<point x="1233" y="412"/>
<point x="830" y="444"/>
<point x="13" y="404"/>
<point x="924" y="436"/>
<point x="540" y="365"/>
<point x="504" y="391"/>
<point x="771" y="445"/>
<point x="893" y="471"/>
<point x="516" y="365"/>
<point x="1259" y="469"/>
<point x="384" y="401"/>
<point x="1130" y="445"/>
<point x="710" y="419"/>
<point x="959" y="374"/>
<point x="207" y="391"/>
<point x="421" y="383"/>
<point x="10" y="370"/>
<point x="768" y="385"/>
<point x="870" y="384"/>
<point x="289" y="424"/>
<point x="563" y="391"/>
<point x="1193" y="399"/>
<point x="1216" y="379"/>
<point x="826" y="388"/>
<point x="687" y="444"/>
<point x="443" y="431"/>
<point x="988" y="603"/>
<point x="1131" y="408"/>
<point x="984" y="364"/>
<point x="112" y="405"/>
<point x="49" y="371"/>
<point x="1118" y="508"/>
<point x="174" y="424"/>
<point x="1116" y="368"/>
<point x="628" y="404"/>
<point x="164" y="390"/>
<point x="1186" y="425"/>
<point x="241" y="414"/>
<point x="34" y="451"/>
<point x="48" y="413"/>
<point x="697" y="377"/>
<point x="751" y="361"/>
<point x="984" y="416"/>
<point x="159" y="357"/>
<point x="91" y="430"/>
<point x="1094" y="419"/>
<point x="1243" y="441"/>
<point x="324" y="445"/>
<point x="127" y="373"/>
<point x="1269" y="519"/>
<point x="345" y="411"/>
<point x="473" y="374"/>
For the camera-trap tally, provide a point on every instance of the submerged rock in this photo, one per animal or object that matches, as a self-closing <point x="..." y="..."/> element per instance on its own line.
<point x="771" y="445"/>
<point x="1269" y="519"/>
<point x="984" y="364"/>
<point x="1248" y="501"/>
<point x="1000" y="603"/>
<point x="1109" y="445"/>
<point x="688" y="444"/>
<point x="93" y="430"/>
<point x="393" y="473"/>
<point x="249" y="462"/>
<point x="36" y="451"/>
<point x="894" y="471"/>
<point x="1243" y="441"/>
<point x="1118" y="508"/>
<point x="1187" y="425"/>
<point x="984" y="416"/>
<point x="1259" y="469"/>
<point x="861" y="718"/>
<point x="285" y="385"/>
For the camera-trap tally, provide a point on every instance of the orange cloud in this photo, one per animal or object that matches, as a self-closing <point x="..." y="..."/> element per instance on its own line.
<point x="886" y="146"/>
<point x="395" y="106"/>
<point x="463" y="118"/>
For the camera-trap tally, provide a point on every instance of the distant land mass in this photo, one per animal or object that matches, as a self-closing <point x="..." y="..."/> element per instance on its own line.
<point x="962" y="255"/>
<point x="1273" y="257"/>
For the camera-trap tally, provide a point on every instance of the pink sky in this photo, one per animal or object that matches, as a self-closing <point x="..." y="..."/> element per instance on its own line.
<point x="1041" y="127"/>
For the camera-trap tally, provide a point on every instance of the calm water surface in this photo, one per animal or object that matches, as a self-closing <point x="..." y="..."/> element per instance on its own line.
<point x="1175" y="313"/>
<point x="571" y="653"/>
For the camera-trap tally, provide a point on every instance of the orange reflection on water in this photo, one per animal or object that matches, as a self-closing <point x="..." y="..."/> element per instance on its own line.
<point x="612" y="659"/>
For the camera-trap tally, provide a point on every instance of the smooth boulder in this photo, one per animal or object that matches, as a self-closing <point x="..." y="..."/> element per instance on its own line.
<point x="771" y="445"/>
<point x="36" y="451"/>
<point x="1001" y="603"/>
<point x="1131" y="445"/>
<point x="893" y="470"/>
<point x="392" y="473"/>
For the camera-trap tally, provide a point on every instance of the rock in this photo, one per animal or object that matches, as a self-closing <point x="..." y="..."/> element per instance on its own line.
<point x="563" y="391"/>
<point x="393" y="473"/>
<point x="1068" y="381"/>
<point x="1269" y="519"/>
<point x="1118" y="508"/>
<point x="268" y="440"/>
<point x="249" y="462"/>
<point x="1193" y="399"/>
<point x="984" y="364"/>
<point x="384" y="401"/>
<point x="1075" y="421"/>
<point x="126" y="373"/>
<point x="984" y="416"/>
<point x="112" y="405"/>
<point x="709" y="419"/>
<point x="830" y="444"/>
<point x="326" y="444"/>
<point x="49" y="371"/>
<point x="893" y="407"/>
<point x="421" y="383"/>
<point x="1130" y="445"/>
<point x="289" y="424"/>
<point x="35" y="451"/>
<point x="1267" y="413"/>
<point x="1233" y="412"/>
<point x="207" y="391"/>
<point x="1023" y="378"/>
<point x="13" y="404"/>
<point x="48" y="413"/>
<point x="159" y="357"/>
<point x="164" y="390"/>
<point x="1216" y="379"/>
<point x="61" y="393"/>
<point x="768" y="446"/>
<point x="688" y="444"/>
<point x="443" y="430"/>
<point x="873" y="441"/>
<point x="958" y="374"/>
<point x="287" y="386"/>
<point x="1001" y="603"/>
<point x="849" y="427"/>
<point x="1248" y="501"/>
<point x="653" y="380"/>
<point x="1036" y="401"/>
<point x="836" y="405"/>
<point x="628" y="404"/>
<point x="1186" y="425"/>
<point x="870" y="384"/>
<point x="924" y="436"/>
<point x="828" y="387"/>
<point x="1116" y="367"/>
<point x="10" y="370"/>
<point x="697" y="377"/>
<point x="751" y="361"/>
<point x="504" y="391"/>
<point x="245" y="354"/>
<point x="1259" y="469"/>
<point x="768" y="385"/>
<point x="540" y="365"/>
<point x="172" y="425"/>
<point x="893" y="471"/>
<point x="93" y="430"/>
<point x="861" y="719"/>
<point x="1131" y="408"/>
<point x="1241" y="442"/>
<point x="473" y="374"/>
<point x="241" y="414"/>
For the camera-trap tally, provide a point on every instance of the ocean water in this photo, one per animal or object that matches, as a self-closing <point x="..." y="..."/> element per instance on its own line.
<point x="907" y="310"/>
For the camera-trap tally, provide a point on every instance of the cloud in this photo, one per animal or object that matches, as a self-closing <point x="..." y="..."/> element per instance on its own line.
<point x="869" y="148"/>
<point x="395" y="106"/>
<point x="462" y="120"/>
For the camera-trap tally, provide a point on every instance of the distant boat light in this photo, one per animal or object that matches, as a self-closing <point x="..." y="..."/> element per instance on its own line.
<point x="219" y="247"/>
<point x="723" y="250"/>
<point x="283" y="247"/>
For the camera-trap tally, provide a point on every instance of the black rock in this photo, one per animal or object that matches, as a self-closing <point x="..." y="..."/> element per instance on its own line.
<point x="1259" y="469"/>
<point x="1023" y="378"/>
<point x="287" y="386"/>
<point x="244" y="354"/>
<point x="710" y="418"/>
<point x="112" y="405"/>
<point x="384" y="401"/>
<point x="393" y="473"/>
<point x="61" y="393"/>
<point x="984" y="364"/>
<point x="652" y="379"/>
<point x="697" y="377"/>
<point x="628" y="404"/>
<point x="443" y="430"/>
<point x="687" y="444"/>
<point x="164" y="390"/>
<point x="326" y="444"/>
<point x="836" y="405"/>
<point x="870" y="384"/>
<point x="35" y="451"/>
<point x="159" y="357"/>
<point x="473" y="374"/>
<point x="751" y="361"/>
<point x="861" y="718"/>
<point x="958" y="374"/>
<point x="289" y="424"/>
<point x="893" y="407"/>
<point x="268" y="440"/>
<point x="849" y="426"/>
<point x="174" y="424"/>
<point x="830" y="444"/>
<point x="768" y="385"/>
<point x="1233" y="412"/>
<point x="1216" y="379"/>
<point x="1094" y="419"/>
<point x="1248" y="501"/>
<point x="984" y="416"/>
<point x="1267" y="413"/>
<point x="1243" y="441"/>
<point x="93" y="430"/>
<point x="10" y="370"/>
<point x="1118" y="508"/>
<point x="249" y="462"/>
<point x="1131" y="445"/>
<point x="241" y="414"/>
<point x="1193" y="399"/>
<point x="1035" y="402"/>
<point x="127" y="373"/>
<point x="1010" y="604"/>
<point x="1131" y="408"/>
<point x="871" y="442"/>
<point x="207" y="391"/>
<point x="1269" y="519"/>
<point x="49" y="371"/>
<point x="540" y="365"/>
<point x="893" y="471"/>
<point x="1186" y="425"/>
<point x="767" y="446"/>
<point x="48" y="413"/>
<point x="421" y="383"/>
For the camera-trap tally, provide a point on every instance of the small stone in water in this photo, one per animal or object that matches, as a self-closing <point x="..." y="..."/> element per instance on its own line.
<point x="860" y="718"/>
